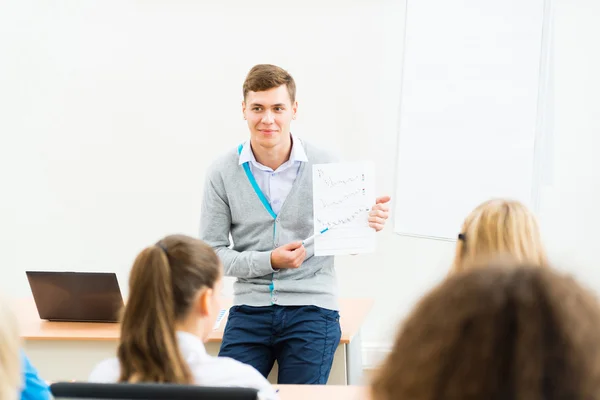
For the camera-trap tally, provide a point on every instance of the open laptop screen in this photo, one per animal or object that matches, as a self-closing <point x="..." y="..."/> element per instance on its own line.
<point x="76" y="296"/>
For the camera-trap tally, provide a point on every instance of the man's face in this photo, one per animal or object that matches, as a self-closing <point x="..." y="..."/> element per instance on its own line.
<point x="269" y="115"/>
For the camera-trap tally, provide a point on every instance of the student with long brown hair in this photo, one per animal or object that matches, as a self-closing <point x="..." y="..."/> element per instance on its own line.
<point x="174" y="300"/>
<point x="497" y="333"/>
<point x="499" y="228"/>
<point x="18" y="377"/>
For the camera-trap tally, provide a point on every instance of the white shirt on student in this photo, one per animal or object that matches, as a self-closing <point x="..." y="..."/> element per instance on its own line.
<point x="206" y="370"/>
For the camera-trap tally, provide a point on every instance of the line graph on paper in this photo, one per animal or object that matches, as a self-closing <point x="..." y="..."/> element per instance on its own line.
<point x="343" y="219"/>
<point x="342" y="198"/>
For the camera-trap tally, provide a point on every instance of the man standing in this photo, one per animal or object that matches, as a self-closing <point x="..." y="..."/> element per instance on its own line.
<point x="260" y="193"/>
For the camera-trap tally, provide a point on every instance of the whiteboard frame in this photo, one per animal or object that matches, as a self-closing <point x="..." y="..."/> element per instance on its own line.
<point x="543" y="132"/>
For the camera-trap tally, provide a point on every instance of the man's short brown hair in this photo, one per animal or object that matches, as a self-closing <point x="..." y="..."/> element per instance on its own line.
<point x="266" y="76"/>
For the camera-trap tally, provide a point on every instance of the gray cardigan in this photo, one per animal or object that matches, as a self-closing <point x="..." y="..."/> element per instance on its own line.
<point x="231" y="205"/>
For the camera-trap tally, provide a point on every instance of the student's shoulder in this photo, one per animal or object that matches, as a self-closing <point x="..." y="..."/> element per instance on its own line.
<point x="106" y="371"/>
<point x="224" y="368"/>
<point x="238" y="366"/>
<point x="319" y="154"/>
<point x="245" y="375"/>
<point x="33" y="386"/>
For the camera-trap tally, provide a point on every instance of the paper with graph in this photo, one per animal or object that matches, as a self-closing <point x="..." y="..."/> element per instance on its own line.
<point x="343" y="194"/>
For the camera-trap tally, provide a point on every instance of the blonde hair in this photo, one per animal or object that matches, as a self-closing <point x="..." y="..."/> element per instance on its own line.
<point x="495" y="229"/>
<point x="10" y="361"/>
<point x="497" y="333"/>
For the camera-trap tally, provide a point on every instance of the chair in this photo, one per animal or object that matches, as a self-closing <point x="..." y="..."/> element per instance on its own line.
<point x="148" y="391"/>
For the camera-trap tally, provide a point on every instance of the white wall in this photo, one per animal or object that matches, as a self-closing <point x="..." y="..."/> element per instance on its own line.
<point x="570" y="202"/>
<point x="111" y="112"/>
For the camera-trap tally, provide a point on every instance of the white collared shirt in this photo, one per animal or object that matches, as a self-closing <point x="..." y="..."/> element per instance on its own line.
<point x="275" y="185"/>
<point x="206" y="370"/>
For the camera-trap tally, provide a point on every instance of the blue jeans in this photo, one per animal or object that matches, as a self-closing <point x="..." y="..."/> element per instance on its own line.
<point x="302" y="339"/>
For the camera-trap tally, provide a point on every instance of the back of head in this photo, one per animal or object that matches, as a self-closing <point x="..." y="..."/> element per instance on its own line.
<point x="10" y="361"/>
<point x="499" y="228"/>
<point x="266" y="76"/>
<point x="497" y="333"/>
<point x="164" y="282"/>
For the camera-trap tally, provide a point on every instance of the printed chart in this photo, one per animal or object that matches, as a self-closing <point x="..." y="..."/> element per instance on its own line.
<point x="343" y="195"/>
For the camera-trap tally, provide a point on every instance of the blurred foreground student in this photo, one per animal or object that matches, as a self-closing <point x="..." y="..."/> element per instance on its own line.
<point x="495" y="229"/>
<point x="497" y="333"/>
<point x="10" y="359"/>
<point x="33" y="387"/>
<point x="18" y="378"/>
<point x="174" y="299"/>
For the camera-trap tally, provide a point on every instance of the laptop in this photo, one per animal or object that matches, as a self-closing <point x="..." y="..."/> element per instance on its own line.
<point x="76" y="296"/>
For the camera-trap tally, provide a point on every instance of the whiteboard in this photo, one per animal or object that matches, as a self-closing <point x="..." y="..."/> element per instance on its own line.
<point x="468" y="112"/>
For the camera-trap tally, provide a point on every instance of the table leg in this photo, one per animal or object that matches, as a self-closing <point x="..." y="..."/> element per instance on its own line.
<point x="354" y="367"/>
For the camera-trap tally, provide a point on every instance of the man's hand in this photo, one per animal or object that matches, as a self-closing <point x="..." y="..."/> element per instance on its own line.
<point x="379" y="213"/>
<point x="289" y="256"/>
